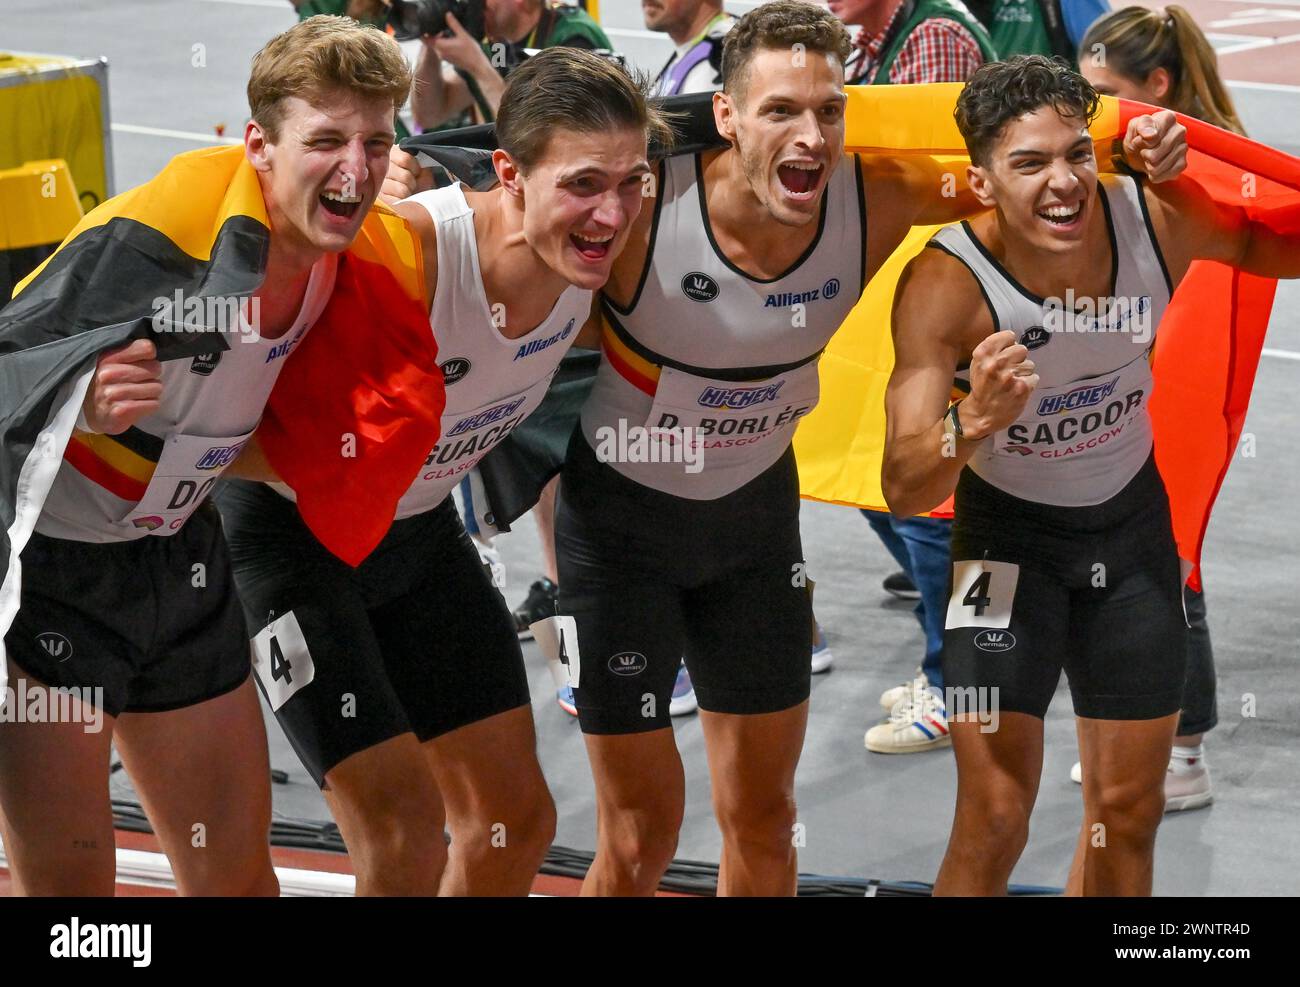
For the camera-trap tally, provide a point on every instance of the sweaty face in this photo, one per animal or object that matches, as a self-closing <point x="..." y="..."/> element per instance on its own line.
<point x="322" y="173"/>
<point x="1042" y="175"/>
<point x="789" y="130"/>
<point x="580" y="200"/>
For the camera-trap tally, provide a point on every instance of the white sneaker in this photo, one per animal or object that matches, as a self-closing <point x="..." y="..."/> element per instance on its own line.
<point x="1187" y="784"/>
<point x="918" y="722"/>
<point x="1184" y="790"/>
<point x="890" y="697"/>
<point x="822" y="659"/>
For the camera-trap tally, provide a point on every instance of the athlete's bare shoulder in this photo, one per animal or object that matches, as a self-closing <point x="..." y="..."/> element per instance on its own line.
<point x="427" y="230"/>
<point x="939" y="304"/>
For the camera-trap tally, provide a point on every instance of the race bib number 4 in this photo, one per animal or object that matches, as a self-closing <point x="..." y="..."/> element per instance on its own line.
<point x="558" y="639"/>
<point x="281" y="660"/>
<point x="982" y="594"/>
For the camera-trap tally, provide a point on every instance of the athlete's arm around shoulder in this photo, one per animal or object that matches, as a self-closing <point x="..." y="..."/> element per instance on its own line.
<point x="939" y="319"/>
<point x="1190" y="225"/>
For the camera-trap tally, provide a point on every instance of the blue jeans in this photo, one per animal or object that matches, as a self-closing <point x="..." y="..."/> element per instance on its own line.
<point x="921" y="546"/>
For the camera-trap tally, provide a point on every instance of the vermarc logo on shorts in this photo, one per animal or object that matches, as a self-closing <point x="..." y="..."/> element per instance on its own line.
<point x="628" y="663"/>
<point x="55" y="645"/>
<point x="995" y="641"/>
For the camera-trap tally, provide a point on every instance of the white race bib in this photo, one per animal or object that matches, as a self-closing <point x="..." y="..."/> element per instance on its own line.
<point x="731" y="422"/>
<point x="282" y="660"/>
<point x="982" y="594"/>
<point x="558" y="639"/>
<point x="466" y="437"/>
<point x="1079" y="417"/>
<point x="186" y="472"/>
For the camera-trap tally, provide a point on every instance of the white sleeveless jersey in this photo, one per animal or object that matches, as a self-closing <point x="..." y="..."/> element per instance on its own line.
<point x="149" y="479"/>
<point x="708" y="371"/>
<point x="1085" y="431"/>
<point x="493" y="383"/>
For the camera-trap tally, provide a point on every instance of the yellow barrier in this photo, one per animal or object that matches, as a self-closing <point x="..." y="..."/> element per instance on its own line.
<point x="56" y="107"/>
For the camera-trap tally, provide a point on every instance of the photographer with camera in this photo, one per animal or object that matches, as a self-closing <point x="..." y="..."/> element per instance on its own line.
<point x="457" y="74"/>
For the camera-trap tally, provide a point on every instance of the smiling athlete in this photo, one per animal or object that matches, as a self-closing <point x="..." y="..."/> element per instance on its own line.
<point x="401" y="682"/>
<point x="125" y="568"/>
<point x="1063" y="551"/>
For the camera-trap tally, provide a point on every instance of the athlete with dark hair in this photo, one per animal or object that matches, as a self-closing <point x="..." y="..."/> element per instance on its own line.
<point x="1063" y="551"/>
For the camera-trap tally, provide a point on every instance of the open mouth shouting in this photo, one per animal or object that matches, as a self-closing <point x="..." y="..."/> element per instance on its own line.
<point x="593" y="247"/>
<point x="1062" y="217"/>
<point x="801" y="180"/>
<point x="340" y="205"/>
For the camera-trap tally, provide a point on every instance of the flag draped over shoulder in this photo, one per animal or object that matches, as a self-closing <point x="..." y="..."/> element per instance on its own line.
<point x="357" y="406"/>
<point x="1207" y="348"/>
<point x="200" y="228"/>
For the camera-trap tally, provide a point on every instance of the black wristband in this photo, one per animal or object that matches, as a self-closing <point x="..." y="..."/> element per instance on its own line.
<point x="956" y="420"/>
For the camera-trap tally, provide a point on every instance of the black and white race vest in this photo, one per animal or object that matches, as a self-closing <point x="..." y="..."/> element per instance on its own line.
<point x="727" y="360"/>
<point x="1086" y="430"/>
<point x="493" y="383"/>
<point x="149" y="479"/>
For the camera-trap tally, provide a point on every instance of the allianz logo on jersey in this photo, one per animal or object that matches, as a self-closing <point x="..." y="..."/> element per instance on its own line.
<point x="487" y="417"/>
<point x="282" y="349"/>
<point x="785" y="299"/>
<point x="738" y="397"/>
<point x="1080" y="397"/>
<point x="537" y="345"/>
<point x="218" y="457"/>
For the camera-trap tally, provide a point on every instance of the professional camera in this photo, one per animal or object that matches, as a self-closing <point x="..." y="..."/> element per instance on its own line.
<point x="412" y="19"/>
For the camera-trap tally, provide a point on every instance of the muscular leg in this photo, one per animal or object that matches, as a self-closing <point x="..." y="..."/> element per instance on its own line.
<point x="499" y="810"/>
<point x="204" y="778"/>
<point x="640" y="798"/>
<point x="752" y="761"/>
<point x="387" y="805"/>
<point x="1124" y="764"/>
<point x="57" y="820"/>
<point x="997" y="784"/>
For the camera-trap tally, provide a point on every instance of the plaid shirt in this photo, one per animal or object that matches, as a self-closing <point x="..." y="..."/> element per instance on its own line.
<point x="939" y="50"/>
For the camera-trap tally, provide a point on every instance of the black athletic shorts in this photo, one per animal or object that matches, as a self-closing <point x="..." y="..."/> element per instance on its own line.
<point x="1037" y="588"/>
<point x="414" y="640"/>
<point x="153" y="622"/>
<point x="651" y="578"/>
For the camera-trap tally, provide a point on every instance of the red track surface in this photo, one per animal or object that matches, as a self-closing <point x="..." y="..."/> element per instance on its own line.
<point x="1275" y="62"/>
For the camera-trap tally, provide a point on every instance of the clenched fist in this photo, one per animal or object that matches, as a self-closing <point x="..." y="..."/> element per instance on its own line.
<point x="1002" y="377"/>
<point x="1156" y="144"/>
<point x="405" y="177"/>
<point x="127" y="386"/>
